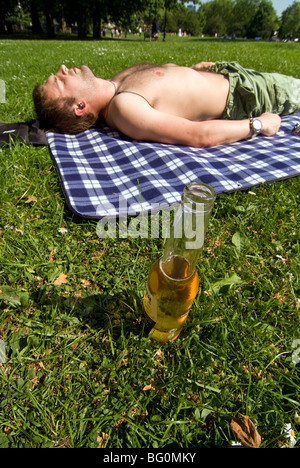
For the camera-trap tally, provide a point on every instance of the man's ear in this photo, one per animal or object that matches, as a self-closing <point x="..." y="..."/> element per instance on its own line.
<point x="79" y="108"/>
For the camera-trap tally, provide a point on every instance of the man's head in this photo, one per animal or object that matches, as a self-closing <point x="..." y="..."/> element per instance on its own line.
<point x="62" y="102"/>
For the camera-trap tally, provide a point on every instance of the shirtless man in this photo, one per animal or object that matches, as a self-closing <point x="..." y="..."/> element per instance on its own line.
<point x="168" y="104"/>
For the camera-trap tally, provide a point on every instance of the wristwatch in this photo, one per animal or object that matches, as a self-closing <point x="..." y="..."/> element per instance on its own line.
<point x="256" y="126"/>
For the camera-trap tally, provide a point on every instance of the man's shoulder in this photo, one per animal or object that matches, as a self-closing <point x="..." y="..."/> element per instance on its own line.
<point x="126" y="101"/>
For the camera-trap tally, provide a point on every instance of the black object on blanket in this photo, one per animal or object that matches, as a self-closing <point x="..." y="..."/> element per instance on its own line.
<point x="103" y="173"/>
<point x="25" y="132"/>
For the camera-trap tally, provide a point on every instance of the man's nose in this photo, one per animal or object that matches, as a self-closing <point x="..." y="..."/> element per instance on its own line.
<point x="63" y="70"/>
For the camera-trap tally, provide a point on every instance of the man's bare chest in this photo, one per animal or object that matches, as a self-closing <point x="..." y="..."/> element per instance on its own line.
<point x="175" y="90"/>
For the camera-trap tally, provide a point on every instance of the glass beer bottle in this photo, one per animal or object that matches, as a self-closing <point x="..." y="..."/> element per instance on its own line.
<point x="173" y="282"/>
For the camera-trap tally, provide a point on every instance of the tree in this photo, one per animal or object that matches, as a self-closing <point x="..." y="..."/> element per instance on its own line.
<point x="99" y="11"/>
<point x="290" y="21"/>
<point x="7" y="8"/>
<point x="121" y="11"/>
<point x="168" y="6"/>
<point x="264" y="22"/>
<point x="188" y="21"/>
<point x="34" y="13"/>
<point x="243" y="12"/>
<point x="218" y="16"/>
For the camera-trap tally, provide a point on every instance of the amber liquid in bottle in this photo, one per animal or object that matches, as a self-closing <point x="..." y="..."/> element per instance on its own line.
<point x="170" y="292"/>
<point x="173" y="280"/>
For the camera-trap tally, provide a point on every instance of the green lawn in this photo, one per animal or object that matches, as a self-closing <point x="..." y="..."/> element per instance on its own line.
<point x="79" y="371"/>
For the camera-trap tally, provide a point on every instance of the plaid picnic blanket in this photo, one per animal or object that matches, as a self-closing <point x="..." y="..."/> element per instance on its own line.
<point x="103" y="173"/>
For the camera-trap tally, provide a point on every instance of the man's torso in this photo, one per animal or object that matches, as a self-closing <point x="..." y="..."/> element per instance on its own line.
<point x="175" y="90"/>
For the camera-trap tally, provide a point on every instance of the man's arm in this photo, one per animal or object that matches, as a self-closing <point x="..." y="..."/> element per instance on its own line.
<point x="134" y="117"/>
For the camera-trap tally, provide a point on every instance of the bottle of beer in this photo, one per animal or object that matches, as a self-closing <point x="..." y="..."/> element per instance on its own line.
<point x="173" y="280"/>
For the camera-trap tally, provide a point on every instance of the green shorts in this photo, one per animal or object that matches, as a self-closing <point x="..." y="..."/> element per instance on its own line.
<point x="252" y="93"/>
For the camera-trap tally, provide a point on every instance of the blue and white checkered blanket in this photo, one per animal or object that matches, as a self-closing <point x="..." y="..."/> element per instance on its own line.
<point x="102" y="173"/>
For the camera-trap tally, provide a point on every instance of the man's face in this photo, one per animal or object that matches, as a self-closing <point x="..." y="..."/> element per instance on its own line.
<point x="69" y="82"/>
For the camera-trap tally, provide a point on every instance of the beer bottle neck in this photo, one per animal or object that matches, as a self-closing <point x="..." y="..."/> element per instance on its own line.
<point x="189" y="228"/>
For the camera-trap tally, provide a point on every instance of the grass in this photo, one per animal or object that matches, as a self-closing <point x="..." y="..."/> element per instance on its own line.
<point x="79" y="371"/>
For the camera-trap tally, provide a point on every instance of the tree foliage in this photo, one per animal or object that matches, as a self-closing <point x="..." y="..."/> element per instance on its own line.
<point x="264" y="21"/>
<point x="290" y="21"/>
<point x="241" y="18"/>
<point x="218" y="14"/>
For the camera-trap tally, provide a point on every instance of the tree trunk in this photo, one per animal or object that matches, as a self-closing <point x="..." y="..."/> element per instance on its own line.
<point x="36" y="25"/>
<point x="96" y="25"/>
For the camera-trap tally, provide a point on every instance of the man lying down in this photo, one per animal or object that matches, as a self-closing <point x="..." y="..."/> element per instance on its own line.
<point x="203" y="106"/>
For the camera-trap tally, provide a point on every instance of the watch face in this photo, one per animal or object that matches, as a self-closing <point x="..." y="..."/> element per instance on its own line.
<point x="257" y="125"/>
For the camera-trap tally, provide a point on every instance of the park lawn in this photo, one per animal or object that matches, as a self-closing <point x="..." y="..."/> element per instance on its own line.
<point x="79" y="371"/>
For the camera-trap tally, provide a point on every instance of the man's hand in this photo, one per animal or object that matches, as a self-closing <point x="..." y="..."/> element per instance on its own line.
<point x="270" y="123"/>
<point x="203" y="66"/>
